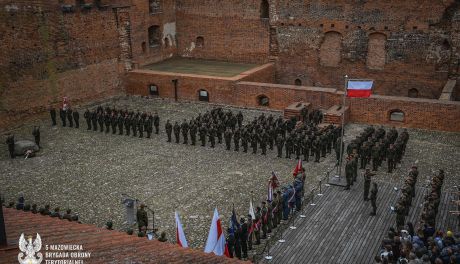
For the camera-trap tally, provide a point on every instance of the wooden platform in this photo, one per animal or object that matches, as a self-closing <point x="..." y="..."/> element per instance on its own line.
<point x="339" y="228"/>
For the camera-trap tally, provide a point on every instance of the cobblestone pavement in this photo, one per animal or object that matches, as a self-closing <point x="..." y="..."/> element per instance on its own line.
<point x="89" y="171"/>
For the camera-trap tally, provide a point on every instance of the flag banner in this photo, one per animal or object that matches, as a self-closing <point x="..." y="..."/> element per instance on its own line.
<point x="216" y="239"/>
<point x="297" y="168"/>
<point x="180" y="235"/>
<point x="251" y="210"/>
<point x="359" y="88"/>
<point x="270" y="192"/>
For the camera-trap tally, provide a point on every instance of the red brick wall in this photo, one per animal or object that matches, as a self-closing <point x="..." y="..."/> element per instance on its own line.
<point x="232" y="30"/>
<point x="419" y="113"/>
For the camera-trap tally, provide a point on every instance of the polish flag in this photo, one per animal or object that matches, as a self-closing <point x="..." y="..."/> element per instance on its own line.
<point x="251" y="210"/>
<point x="359" y="88"/>
<point x="298" y="168"/>
<point x="180" y="236"/>
<point x="216" y="238"/>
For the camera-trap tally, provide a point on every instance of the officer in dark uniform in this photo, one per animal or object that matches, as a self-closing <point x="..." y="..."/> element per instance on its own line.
<point x="76" y="118"/>
<point x="176" y="129"/>
<point x="168" y="128"/>
<point x="374" y="199"/>
<point x="10" y="143"/>
<point x="263" y="142"/>
<point x="288" y="145"/>
<point x="236" y="139"/>
<point x="244" y="237"/>
<point x="280" y="145"/>
<point x="156" y="122"/>
<point x="87" y="116"/>
<point x="239" y="118"/>
<point x="36" y="134"/>
<point x="220" y="129"/>
<point x="306" y="148"/>
<point x="63" y="116"/>
<point x="70" y="117"/>
<point x="228" y="138"/>
<point x="193" y="132"/>
<point x="148" y="125"/>
<point x="367" y="183"/>
<point x="184" y="129"/>
<point x="53" y="115"/>
<point x="375" y="156"/>
<point x="107" y="120"/>
<point x="245" y="140"/>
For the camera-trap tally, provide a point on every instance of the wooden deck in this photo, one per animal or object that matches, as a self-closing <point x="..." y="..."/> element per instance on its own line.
<point x="339" y="228"/>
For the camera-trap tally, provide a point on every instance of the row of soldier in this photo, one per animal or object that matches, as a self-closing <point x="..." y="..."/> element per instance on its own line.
<point x="67" y="115"/>
<point x="377" y="146"/>
<point x="432" y="200"/>
<point x="263" y="132"/>
<point x="267" y="217"/>
<point x="405" y="199"/>
<point x="122" y="120"/>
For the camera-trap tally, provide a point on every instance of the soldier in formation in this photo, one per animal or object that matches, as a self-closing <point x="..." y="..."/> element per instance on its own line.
<point x="404" y="201"/>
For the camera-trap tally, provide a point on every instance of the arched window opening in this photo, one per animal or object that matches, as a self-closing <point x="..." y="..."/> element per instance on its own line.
<point x="153" y="89"/>
<point x="397" y="115"/>
<point x="203" y="95"/>
<point x="330" y="53"/>
<point x="199" y="43"/>
<point x="144" y="47"/>
<point x="154" y="6"/>
<point x="154" y="36"/>
<point x="413" y="93"/>
<point x="264" y="9"/>
<point x="298" y="82"/>
<point x="263" y="100"/>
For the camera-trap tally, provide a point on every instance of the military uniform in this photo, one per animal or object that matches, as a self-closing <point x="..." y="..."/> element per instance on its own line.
<point x="349" y="173"/>
<point x="87" y="116"/>
<point x="176" y="129"/>
<point x="76" y="118"/>
<point x="254" y="142"/>
<point x="156" y="123"/>
<point x="36" y="134"/>
<point x="279" y="145"/>
<point x="236" y="139"/>
<point x="228" y="138"/>
<point x="203" y="131"/>
<point x="193" y="132"/>
<point x="53" y="116"/>
<point x="10" y="143"/>
<point x="120" y="122"/>
<point x="375" y="157"/>
<point x="142" y="218"/>
<point x="168" y="128"/>
<point x="184" y="129"/>
<point x="373" y="199"/>
<point x="367" y="183"/>
<point x="94" y="120"/>
<point x="63" y="116"/>
<point x="70" y="117"/>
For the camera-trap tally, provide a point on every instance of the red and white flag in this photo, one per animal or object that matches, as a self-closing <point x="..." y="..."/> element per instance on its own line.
<point x="298" y="168"/>
<point x="180" y="236"/>
<point x="359" y="88"/>
<point x="216" y="238"/>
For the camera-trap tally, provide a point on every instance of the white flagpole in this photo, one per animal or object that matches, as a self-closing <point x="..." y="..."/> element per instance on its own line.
<point x="343" y="122"/>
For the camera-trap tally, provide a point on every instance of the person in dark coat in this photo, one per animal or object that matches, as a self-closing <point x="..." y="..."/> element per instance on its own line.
<point x="36" y="134"/>
<point x="70" y="117"/>
<point x="63" y="116"/>
<point x="53" y="115"/>
<point x="10" y="143"/>
<point x="76" y="118"/>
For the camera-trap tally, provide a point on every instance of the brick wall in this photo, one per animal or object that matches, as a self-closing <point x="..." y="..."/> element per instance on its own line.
<point x="420" y="45"/>
<point x="419" y="113"/>
<point x="232" y="30"/>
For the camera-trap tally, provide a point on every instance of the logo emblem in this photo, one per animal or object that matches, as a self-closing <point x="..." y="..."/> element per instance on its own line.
<point x="30" y="249"/>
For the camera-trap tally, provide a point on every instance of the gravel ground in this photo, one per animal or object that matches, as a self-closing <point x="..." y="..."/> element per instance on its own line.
<point x="89" y="171"/>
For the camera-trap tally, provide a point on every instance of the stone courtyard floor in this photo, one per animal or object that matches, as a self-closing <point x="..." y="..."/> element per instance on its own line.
<point x="89" y="171"/>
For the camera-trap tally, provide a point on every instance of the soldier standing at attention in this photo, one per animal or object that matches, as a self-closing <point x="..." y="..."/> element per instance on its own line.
<point x="127" y="123"/>
<point x="349" y="173"/>
<point x="10" y="143"/>
<point x="203" y="131"/>
<point x="140" y="126"/>
<point x="36" y="134"/>
<point x="87" y="116"/>
<point x="279" y="145"/>
<point x="374" y="199"/>
<point x="391" y="154"/>
<point x="244" y="140"/>
<point x="148" y="126"/>
<point x="134" y="123"/>
<point x="263" y="142"/>
<point x="193" y="131"/>
<point x="53" y="115"/>
<point x="367" y="183"/>
<point x="76" y="118"/>
<point x="212" y="136"/>
<point x="176" y="129"/>
<point x="93" y="117"/>
<point x="254" y="141"/>
<point x="184" y="128"/>
<point x="120" y="122"/>
<point x="70" y="117"/>
<point x="168" y="128"/>
<point x="156" y="122"/>
<point x="100" y="120"/>
<point x="142" y="218"/>
<point x="264" y="220"/>
<point x="63" y="116"/>
<point x="375" y="156"/>
<point x="236" y="139"/>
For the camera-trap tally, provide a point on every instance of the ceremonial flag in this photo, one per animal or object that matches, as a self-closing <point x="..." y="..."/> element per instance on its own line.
<point x="359" y="88"/>
<point x="298" y="168"/>
<point x="270" y="191"/>
<point x="216" y="238"/>
<point x="180" y="236"/>
<point x="291" y="199"/>
<point x="274" y="180"/>
<point x="234" y="225"/>
<point x="251" y="210"/>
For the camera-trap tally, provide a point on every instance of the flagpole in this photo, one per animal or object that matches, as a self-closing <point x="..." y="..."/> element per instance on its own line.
<point x="343" y="123"/>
